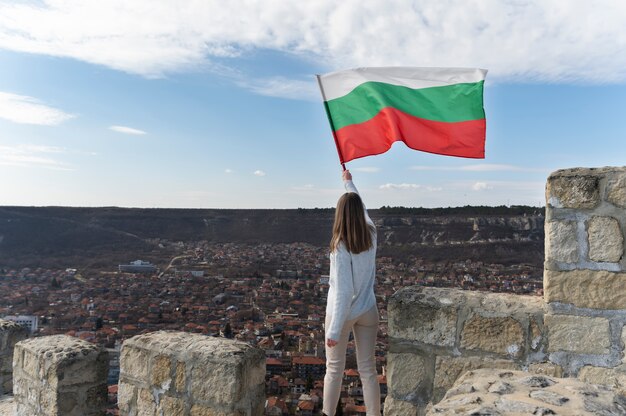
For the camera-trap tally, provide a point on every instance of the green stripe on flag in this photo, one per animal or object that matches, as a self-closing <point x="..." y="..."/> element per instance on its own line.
<point x="450" y="103"/>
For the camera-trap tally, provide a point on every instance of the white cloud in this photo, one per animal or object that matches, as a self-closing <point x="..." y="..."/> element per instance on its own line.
<point x="366" y="169"/>
<point x="32" y="156"/>
<point x="28" y="110"/>
<point x="514" y="39"/>
<point x="481" y="186"/>
<point x="282" y="87"/>
<point x="400" y="186"/>
<point x="481" y="167"/>
<point x="228" y="171"/>
<point x="127" y="130"/>
<point x="259" y="173"/>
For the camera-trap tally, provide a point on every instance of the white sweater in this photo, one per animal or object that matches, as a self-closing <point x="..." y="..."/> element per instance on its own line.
<point x="352" y="278"/>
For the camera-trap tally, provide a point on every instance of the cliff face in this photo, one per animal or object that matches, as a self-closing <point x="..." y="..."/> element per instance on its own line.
<point x="47" y="236"/>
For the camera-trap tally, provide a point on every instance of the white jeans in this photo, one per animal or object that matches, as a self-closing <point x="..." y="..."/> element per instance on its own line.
<point x="364" y="328"/>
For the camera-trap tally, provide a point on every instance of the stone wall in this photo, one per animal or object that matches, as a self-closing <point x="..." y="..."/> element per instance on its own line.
<point x="577" y="329"/>
<point x="585" y="272"/>
<point x="177" y="373"/>
<point x="436" y="335"/>
<point x="10" y="334"/>
<point x="162" y="373"/>
<point x="59" y="375"/>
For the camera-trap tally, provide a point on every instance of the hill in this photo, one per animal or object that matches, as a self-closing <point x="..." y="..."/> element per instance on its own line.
<point x="99" y="237"/>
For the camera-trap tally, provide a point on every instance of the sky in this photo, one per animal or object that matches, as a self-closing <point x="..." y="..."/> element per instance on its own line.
<point x="212" y="104"/>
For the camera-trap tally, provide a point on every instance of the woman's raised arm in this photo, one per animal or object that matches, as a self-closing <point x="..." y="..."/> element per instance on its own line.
<point x="349" y="185"/>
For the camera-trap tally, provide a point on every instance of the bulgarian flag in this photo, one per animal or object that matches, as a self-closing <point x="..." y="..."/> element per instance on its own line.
<point x="436" y="110"/>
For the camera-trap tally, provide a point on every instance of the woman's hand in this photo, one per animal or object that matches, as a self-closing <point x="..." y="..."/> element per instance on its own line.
<point x="331" y="342"/>
<point x="347" y="176"/>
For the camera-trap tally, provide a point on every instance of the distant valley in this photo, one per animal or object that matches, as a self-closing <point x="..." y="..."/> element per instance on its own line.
<point x="100" y="238"/>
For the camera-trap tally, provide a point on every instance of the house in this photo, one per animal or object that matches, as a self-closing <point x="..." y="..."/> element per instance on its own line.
<point x="305" y="408"/>
<point x="309" y="366"/>
<point x="275" y="406"/>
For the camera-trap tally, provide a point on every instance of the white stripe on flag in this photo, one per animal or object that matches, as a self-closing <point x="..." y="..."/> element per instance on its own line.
<point x="337" y="84"/>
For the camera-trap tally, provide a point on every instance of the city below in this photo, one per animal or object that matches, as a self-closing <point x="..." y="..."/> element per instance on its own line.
<point x="271" y="295"/>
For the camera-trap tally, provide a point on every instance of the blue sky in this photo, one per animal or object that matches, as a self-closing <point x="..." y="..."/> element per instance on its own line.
<point x="201" y="106"/>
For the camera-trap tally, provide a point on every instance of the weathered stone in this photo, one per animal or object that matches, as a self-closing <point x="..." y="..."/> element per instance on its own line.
<point x="448" y="370"/>
<point x="624" y="344"/>
<point x="561" y="241"/>
<point x="502" y="335"/>
<point x="7" y="406"/>
<point x="198" y="410"/>
<point x="171" y="406"/>
<point x="10" y="334"/>
<point x="613" y="377"/>
<point x="596" y="289"/>
<point x="580" y="334"/>
<point x="135" y="362"/>
<point x="146" y="405"/>
<point x="407" y="373"/>
<point x="549" y="397"/>
<point x="546" y="368"/>
<point x="180" y="377"/>
<point x="60" y="375"/>
<point x="525" y="396"/>
<point x="606" y="243"/>
<point x="161" y="371"/>
<point x="572" y="189"/>
<point x="395" y="407"/>
<point x="616" y="189"/>
<point x="500" y="387"/>
<point x="415" y="315"/>
<point x="218" y="376"/>
<point x="535" y="335"/>
<point x="126" y="397"/>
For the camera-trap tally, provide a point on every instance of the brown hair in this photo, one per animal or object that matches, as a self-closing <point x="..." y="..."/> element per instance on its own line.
<point x="350" y="226"/>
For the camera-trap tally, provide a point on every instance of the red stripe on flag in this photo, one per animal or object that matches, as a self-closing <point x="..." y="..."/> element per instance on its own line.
<point x="375" y="136"/>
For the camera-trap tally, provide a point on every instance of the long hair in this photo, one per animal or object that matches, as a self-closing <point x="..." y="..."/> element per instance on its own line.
<point x="350" y="226"/>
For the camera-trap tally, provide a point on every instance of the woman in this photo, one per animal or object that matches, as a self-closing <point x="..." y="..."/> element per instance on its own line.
<point x="351" y="301"/>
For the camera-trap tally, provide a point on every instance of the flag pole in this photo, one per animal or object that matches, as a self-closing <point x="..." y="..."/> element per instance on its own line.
<point x="330" y="120"/>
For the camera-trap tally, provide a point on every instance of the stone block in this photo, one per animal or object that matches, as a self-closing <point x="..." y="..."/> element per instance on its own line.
<point x="546" y="368"/>
<point x="606" y="243"/>
<point x="597" y="289"/>
<point x="623" y="344"/>
<point x="126" y="397"/>
<point x="579" y="334"/>
<point x="449" y="369"/>
<point x="536" y="336"/>
<point x="161" y="371"/>
<point x="502" y="335"/>
<point x="410" y="376"/>
<point x="60" y="375"/>
<point x="492" y="392"/>
<point x="616" y="189"/>
<point x="395" y="407"/>
<point x="198" y="410"/>
<point x="214" y="376"/>
<point x="180" y="377"/>
<point x="612" y="377"/>
<point x="146" y="403"/>
<point x="10" y="334"/>
<point x="573" y="189"/>
<point x="417" y="315"/>
<point x="135" y="362"/>
<point x="171" y="406"/>
<point x="561" y="241"/>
